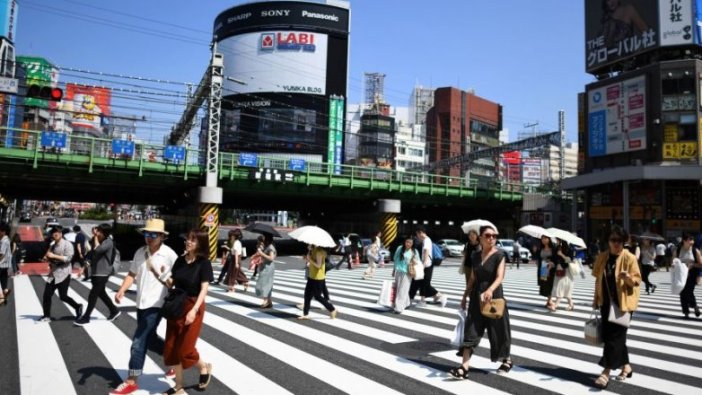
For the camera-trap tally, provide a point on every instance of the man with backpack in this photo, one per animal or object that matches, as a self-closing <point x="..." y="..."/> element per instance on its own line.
<point x="428" y="260"/>
<point x="102" y="259"/>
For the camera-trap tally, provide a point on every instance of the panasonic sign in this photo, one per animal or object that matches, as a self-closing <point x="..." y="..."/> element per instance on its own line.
<point x="317" y="15"/>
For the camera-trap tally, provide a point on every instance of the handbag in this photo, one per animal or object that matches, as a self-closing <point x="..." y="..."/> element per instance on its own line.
<point x="458" y="331"/>
<point x="616" y="315"/>
<point x="387" y="293"/>
<point x="494" y="309"/>
<point x="560" y="272"/>
<point x="418" y="269"/>
<point x="593" y="329"/>
<point x="173" y="304"/>
<point x="411" y="270"/>
<point x="543" y="272"/>
<point x="255" y="261"/>
<point x="574" y="267"/>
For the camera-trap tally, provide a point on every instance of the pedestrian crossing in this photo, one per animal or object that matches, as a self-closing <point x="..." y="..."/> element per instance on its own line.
<point x="368" y="349"/>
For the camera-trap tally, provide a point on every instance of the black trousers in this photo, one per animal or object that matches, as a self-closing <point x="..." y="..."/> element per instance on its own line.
<point x="687" y="295"/>
<point x="225" y="270"/>
<point x="499" y="333"/>
<point x="3" y="279"/>
<point x="615" y="354"/>
<point x="98" y="291"/>
<point x="424" y="285"/>
<point x="316" y="289"/>
<point x="645" y="272"/>
<point x="49" y="290"/>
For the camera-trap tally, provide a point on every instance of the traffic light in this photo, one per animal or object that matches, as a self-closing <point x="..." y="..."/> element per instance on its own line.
<point x="44" y="92"/>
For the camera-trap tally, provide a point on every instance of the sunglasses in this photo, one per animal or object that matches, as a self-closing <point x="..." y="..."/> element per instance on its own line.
<point x="490" y="236"/>
<point x="151" y="235"/>
<point x="616" y="240"/>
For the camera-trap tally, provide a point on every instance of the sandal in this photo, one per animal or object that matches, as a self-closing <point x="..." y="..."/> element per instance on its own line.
<point x="602" y="381"/>
<point x="459" y="372"/>
<point x="505" y="367"/>
<point x="625" y="375"/>
<point x="303" y="317"/>
<point x="267" y="305"/>
<point x="570" y="307"/>
<point x="205" y="378"/>
<point x="173" y="391"/>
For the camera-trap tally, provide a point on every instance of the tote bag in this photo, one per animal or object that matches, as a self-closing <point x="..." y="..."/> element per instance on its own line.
<point x="387" y="293"/>
<point x="593" y="329"/>
<point x="457" y="338"/>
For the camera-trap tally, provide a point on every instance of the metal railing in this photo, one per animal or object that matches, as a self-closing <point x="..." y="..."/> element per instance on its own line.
<point x="94" y="151"/>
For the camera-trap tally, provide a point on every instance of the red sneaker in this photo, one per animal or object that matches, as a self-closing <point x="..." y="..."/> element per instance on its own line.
<point x="170" y="373"/>
<point x="124" y="389"/>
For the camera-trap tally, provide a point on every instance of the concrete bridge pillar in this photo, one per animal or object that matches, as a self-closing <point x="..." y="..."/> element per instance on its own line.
<point x="210" y="199"/>
<point x="388" y="208"/>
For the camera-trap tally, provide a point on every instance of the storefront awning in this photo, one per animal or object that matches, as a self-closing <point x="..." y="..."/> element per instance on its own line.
<point x="631" y="173"/>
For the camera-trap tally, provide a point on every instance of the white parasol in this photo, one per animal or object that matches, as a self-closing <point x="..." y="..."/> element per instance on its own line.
<point x="651" y="236"/>
<point x="313" y="235"/>
<point x="535" y="231"/>
<point x="567" y="237"/>
<point x="476" y="224"/>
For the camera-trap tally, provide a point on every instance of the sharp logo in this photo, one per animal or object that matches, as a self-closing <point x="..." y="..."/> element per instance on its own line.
<point x="288" y="41"/>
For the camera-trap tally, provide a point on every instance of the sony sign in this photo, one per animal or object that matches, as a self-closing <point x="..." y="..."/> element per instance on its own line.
<point x="269" y="13"/>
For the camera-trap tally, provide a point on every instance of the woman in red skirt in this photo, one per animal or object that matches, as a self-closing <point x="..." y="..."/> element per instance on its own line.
<point x="192" y="273"/>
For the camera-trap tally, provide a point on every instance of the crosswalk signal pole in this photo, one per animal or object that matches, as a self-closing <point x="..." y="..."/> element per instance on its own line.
<point x="210" y="196"/>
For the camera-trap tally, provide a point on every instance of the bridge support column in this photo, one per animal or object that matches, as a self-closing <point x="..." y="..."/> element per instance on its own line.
<point x="389" y="208"/>
<point x="210" y="199"/>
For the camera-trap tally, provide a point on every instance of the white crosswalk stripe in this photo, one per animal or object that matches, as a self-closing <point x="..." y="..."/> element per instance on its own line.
<point x="368" y="349"/>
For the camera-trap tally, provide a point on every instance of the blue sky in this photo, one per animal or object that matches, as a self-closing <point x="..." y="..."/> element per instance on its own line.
<point x="526" y="55"/>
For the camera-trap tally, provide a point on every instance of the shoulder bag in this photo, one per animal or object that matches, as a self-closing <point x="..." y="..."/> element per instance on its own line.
<point x="616" y="315"/>
<point x="174" y="302"/>
<point x="417" y="267"/>
<point x="494" y="309"/>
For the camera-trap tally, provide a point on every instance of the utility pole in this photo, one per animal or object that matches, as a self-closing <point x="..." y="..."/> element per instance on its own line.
<point x="210" y="196"/>
<point x="561" y="163"/>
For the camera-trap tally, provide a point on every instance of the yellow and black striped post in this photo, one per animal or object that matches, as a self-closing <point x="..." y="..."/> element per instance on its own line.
<point x="209" y="222"/>
<point x="388" y="226"/>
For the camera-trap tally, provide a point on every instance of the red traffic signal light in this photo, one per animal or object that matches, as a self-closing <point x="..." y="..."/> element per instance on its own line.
<point x="44" y="92"/>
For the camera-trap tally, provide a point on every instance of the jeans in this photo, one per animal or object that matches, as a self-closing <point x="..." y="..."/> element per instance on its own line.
<point x="147" y="322"/>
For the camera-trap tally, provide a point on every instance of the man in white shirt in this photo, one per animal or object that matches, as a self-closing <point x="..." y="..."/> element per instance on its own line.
<point x="150" y="261"/>
<point x="5" y="261"/>
<point x="424" y="286"/>
<point x="660" y="254"/>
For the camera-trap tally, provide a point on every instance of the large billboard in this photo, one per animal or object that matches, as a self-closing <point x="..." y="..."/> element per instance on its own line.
<point x="8" y="19"/>
<point x="532" y="172"/>
<point x="38" y="71"/>
<point x="283" y="61"/>
<point x="86" y="105"/>
<point x="619" y="29"/>
<point x="275" y="61"/>
<point x="617" y="117"/>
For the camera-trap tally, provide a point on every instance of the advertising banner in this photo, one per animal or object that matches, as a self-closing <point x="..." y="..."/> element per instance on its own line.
<point x="331" y="139"/>
<point x="8" y="19"/>
<point x="619" y="29"/>
<point x="38" y="72"/>
<point x="617" y="117"/>
<point x="338" y="135"/>
<point x="275" y="61"/>
<point x="87" y="105"/>
<point x="531" y="171"/>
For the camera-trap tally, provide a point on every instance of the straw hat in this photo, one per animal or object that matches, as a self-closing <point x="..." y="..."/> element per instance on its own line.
<point x="154" y="225"/>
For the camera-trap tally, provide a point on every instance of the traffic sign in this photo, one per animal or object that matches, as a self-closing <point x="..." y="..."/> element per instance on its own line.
<point x="123" y="147"/>
<point x="297" y="164"/>
<point x="53" y="140"/>
<point x="174" y="153"/>
<point x="248" y="159"/>
<point x="8" y="85"/>
<point x="209" y="220"/>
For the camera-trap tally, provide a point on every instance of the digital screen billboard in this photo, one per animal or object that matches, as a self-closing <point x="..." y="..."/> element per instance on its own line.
<point x="619" y="29"/>
<point x="617" y="117"/>
<point x="87" y="105"/>
<point x="275" y="61"/>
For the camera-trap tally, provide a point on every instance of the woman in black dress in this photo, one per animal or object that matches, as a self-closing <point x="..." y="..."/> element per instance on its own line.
<point x="545" y="255"/>
<point x="484" y="285"/>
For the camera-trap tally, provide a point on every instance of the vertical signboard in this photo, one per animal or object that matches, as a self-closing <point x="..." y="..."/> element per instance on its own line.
<point x="331" y="139"/>
<point x="8" y="19"/>
<point x="617" y="117"/>
<point x="675" y="18"/>
<point x="338" y="135"/>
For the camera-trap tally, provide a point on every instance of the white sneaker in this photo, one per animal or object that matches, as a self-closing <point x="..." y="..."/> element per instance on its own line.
<point x="443" y="300"/>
